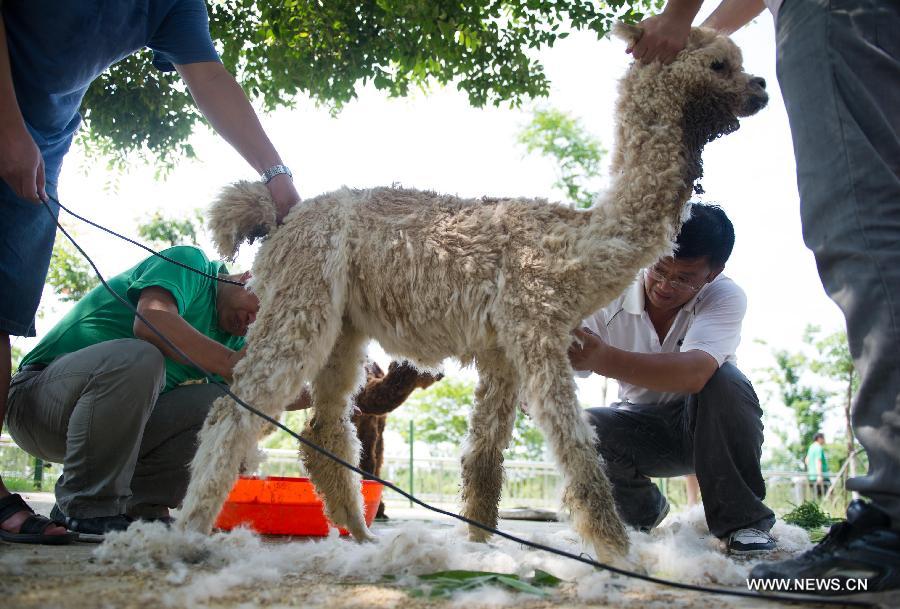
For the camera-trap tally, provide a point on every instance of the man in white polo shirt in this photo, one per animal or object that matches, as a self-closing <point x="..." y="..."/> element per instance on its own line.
<point x="684" y="407"/>
<point x="838" y="64"/>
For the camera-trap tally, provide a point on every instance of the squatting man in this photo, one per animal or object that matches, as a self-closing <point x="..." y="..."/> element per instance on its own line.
<point x="105" y="396"/>
<point x="684" y="407"/>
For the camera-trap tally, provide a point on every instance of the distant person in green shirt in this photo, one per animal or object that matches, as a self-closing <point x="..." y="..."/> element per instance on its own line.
<point x="817" y="465"/>
<point x="103" y="395"/>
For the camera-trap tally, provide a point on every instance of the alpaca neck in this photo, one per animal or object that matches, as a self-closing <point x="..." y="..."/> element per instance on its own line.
<point x="651" y="182"/>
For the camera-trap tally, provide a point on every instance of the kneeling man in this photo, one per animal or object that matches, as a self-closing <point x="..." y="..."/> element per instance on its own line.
<point x="684" y="407"/>
<point x="106" y="397"/>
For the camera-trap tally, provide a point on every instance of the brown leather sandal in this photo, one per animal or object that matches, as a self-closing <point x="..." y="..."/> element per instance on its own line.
<point x="33" y="529"/>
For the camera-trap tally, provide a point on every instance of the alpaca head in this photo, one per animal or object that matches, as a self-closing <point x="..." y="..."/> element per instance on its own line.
<point x="705" y="90"/>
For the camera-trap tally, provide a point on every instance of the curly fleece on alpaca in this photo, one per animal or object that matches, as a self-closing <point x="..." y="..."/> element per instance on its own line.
<point x="499" y="282"/>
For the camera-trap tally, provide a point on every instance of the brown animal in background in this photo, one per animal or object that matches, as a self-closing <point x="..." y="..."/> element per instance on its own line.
<point x="381" y="395"/>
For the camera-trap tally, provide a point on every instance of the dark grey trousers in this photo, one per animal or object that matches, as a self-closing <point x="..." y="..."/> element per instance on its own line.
<point x="98" y="411"/>
<point x="716" y="434"/>
<point x="839" y="71"/>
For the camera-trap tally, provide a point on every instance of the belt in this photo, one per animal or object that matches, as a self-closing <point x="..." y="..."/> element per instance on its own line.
<point x="32" y="367"/>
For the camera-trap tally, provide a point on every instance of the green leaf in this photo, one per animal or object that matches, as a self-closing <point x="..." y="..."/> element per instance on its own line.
<point x="516" y="584"/>
<point x="542" y="578"/>
<point x="456" y="575"/>
<point x="447" y="583"/>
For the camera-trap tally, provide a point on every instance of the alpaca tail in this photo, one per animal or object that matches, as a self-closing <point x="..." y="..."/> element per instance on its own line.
<point x="243" y="211"/>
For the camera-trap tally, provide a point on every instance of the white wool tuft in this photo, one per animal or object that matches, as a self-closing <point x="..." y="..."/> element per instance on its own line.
<point x="203" y="567"/>
<point x="489" y="596"/>
<point x="791" y="538"/>
<point x="685" y="551"/>
<point x="605" y="588"/>
<point x="151" y="545"/>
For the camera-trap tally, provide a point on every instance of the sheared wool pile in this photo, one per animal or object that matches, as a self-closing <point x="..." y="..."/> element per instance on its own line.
<point x="204" y="567"/>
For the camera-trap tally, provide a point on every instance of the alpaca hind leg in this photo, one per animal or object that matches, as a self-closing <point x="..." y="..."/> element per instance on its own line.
<point x="330" y="427"/>
<point x="490" y="429"/>
<point x="269" y="377"/>
<point x="228" y="438"/>
<point x="552" y="401"/>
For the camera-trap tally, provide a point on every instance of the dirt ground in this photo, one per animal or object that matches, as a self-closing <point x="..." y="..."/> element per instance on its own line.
<point x="71" y="577"/>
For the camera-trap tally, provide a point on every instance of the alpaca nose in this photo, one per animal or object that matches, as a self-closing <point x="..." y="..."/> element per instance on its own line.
<point x="758" y="80"/>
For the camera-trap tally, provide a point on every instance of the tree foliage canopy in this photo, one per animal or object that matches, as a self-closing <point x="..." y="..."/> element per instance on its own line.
<point x="70" y="276"/>
<point x="327" y="49"/>
<point x="163" y="231"/>
<point x="555" y="134"/>
<point x="440" y="416"/>
<point x="813" y="382"/>
<point x="16" y="356"/>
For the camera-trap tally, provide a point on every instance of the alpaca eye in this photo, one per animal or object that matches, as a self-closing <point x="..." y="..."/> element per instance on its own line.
<point x="718" y="66"/>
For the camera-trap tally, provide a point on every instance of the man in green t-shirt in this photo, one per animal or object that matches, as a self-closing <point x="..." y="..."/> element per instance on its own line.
<point x="105" y="396"/>
<point x="817" y="465"/>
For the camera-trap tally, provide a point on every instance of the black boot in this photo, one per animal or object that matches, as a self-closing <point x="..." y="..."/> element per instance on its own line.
<point x="860" y="556"/>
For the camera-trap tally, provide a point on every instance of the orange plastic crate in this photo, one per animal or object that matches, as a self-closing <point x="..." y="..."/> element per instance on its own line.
<point x="285" y="506"/>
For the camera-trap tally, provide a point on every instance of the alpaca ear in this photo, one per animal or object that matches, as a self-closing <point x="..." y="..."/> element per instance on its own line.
<point x="627" y="32"/>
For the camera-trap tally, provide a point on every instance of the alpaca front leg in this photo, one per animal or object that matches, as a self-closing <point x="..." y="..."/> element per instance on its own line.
<point x="330" y="428"/>
<point x="552" y="401"/>
<point x="490" y="429"/>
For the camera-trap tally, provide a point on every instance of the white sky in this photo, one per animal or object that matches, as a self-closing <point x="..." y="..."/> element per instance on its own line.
<point x="437" y="141"/>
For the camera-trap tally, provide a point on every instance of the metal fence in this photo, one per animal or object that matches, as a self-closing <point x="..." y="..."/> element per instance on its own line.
<point x="434" y="480"/>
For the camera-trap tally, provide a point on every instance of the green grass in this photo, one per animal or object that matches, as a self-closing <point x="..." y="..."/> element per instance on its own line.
<point x="24" y="485"/>
<point x="810" y="516"/>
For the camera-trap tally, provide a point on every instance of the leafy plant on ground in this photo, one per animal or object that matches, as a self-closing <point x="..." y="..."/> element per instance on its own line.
<point x="448" y="583"/>
<point x="808" y="515"/>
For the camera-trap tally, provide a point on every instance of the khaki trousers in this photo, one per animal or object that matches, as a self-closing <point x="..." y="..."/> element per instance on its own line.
<point x="99" y="412"/>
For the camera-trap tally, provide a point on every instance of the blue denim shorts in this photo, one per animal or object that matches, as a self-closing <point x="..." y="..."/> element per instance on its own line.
<point x="26" y="243"/>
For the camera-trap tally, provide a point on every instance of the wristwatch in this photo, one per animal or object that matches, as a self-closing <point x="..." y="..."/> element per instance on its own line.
<point x="273" y="171"/>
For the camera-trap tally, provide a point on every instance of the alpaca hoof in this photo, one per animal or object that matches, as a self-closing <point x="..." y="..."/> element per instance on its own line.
<point x="620" y="561"/>
<point x="478" y="535"/>
<point x="613" y="558"/>
<point x="363" y="535"/>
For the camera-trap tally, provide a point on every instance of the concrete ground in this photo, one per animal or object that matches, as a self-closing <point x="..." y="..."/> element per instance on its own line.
<point x="70" y="577"/>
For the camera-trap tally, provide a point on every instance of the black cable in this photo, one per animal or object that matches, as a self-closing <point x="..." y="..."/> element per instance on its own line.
<point x="140" y="245"/>
<point x="531" y="544"/>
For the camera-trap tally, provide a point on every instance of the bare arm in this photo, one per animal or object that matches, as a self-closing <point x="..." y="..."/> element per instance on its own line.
<point x="223" y="102"/>
<point x="686" y="372"/>
<point x="21" y="163"/>
<point x="158" y="306"/>
<point x="666" y="34"/>
<point x="732" y="15"/>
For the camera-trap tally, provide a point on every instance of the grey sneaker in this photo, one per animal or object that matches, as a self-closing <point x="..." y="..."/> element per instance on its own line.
<point x="749" y="542"/>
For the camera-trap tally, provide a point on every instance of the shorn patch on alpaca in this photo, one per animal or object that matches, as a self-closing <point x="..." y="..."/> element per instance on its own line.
<point x="495" y="282"/>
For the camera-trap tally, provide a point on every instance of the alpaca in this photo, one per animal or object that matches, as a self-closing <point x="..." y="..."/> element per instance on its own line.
<point x="496" y="282"/>
<point x="381" y="395"/>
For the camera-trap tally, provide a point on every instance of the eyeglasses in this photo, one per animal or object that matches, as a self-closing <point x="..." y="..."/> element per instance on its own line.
<point x="659" y="277"/>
